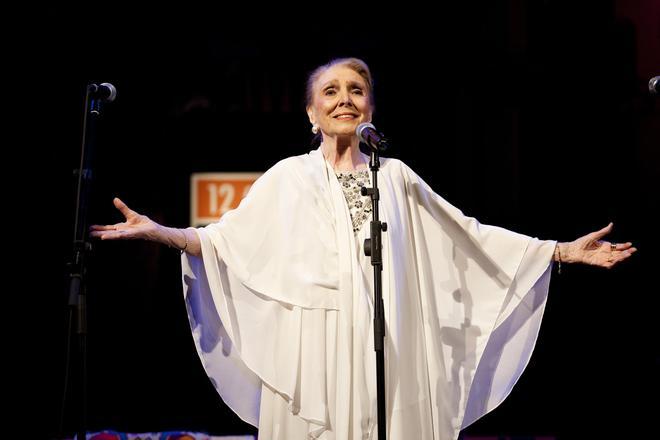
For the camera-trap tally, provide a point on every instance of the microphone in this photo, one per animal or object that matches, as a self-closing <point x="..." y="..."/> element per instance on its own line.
<point x="654" y="85"/>
<point x="103" y="92"/>
<point x="368" y="135"/>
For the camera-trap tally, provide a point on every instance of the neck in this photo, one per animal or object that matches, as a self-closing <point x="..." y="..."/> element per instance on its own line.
<point x="343" y="154"/>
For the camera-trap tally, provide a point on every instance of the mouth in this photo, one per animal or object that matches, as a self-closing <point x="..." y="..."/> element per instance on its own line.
<point x="345" y="116"/>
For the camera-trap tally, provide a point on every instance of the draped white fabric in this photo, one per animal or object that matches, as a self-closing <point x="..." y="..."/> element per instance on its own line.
<point x="281" y="303"/>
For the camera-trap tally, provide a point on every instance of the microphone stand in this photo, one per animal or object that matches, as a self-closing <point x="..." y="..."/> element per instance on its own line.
<point x="81" y="250"/>
<point x="373" y="248"/>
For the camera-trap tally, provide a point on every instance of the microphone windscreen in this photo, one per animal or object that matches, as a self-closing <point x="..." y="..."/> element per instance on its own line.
<point x="360" y="129"/>
<point x="112" y="91"/>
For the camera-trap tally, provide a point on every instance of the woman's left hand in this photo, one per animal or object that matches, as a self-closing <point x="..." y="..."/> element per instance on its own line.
<point x="590" y="249"/>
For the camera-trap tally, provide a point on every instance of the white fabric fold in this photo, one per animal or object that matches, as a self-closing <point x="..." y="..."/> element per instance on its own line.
<point x="280" y="305"/>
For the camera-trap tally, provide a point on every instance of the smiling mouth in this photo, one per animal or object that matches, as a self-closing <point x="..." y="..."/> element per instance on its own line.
<point x="346" y="117"/>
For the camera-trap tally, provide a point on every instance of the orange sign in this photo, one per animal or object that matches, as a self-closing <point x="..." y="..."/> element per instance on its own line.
<point x="213" y="194"/>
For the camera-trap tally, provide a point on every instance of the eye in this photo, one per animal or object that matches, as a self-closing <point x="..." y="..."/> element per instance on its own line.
<point x="329" y="91"/>
<point x="358" y="91"/>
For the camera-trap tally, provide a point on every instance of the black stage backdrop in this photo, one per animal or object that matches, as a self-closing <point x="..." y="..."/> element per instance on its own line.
<point x="529" y="115"/>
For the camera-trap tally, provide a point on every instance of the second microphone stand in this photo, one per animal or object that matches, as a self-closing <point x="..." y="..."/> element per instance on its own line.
<point x="81" y="251"/>
<point x="373" y="248"/>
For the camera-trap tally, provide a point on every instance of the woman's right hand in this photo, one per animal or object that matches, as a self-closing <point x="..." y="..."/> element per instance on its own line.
<point x="136" y="226"/>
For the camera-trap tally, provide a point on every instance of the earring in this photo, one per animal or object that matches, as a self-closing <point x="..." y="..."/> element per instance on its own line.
<point x="315" y="129"/>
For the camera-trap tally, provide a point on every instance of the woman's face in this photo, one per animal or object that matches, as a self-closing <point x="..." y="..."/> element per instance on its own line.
<point x="340" y="102"/>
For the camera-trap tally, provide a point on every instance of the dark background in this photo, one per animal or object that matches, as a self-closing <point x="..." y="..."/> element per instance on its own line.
<point x="531" y="115"/>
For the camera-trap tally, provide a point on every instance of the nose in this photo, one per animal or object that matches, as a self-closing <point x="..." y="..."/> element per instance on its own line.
<point x="345" y="98"/>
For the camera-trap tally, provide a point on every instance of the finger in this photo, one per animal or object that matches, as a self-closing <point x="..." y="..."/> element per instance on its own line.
<point x="99" y="234"/>
<point x="103" y="227"/>
<point x="103" y="235"/>
<point x="628" y="253"/>
<point x="623" y="255"/>
<point x="597" y="235"/>
<point x="622" y="246"/>
<point x="122" y="207"/>
<point x="122" y="234"/>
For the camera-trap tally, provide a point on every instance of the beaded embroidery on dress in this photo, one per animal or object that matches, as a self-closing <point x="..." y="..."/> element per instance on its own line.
<point x="358" y="205"/>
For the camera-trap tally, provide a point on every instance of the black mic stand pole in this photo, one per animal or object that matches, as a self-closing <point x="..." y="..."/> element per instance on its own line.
<point x="81" y="249"/>
<point x="373" y="248"/>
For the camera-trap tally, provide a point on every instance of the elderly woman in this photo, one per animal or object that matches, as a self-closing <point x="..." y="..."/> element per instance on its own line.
<point x="279" y="292"/>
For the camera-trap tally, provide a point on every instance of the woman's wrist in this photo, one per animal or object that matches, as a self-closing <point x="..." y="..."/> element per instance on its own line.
<point x="563" y="253"/>
<point x="182" y="248"/>
<point x="182" y="239"/>
<point x="171" y="237"/>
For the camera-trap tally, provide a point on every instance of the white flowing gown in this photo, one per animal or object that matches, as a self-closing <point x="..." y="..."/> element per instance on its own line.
<point x="281" y="307"/>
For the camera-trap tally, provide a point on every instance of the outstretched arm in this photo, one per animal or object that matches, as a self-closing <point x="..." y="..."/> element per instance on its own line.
<point x="590" y="249"/>
<point x="138" y="226"/>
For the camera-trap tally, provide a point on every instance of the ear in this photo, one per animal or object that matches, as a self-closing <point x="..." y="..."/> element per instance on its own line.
<point x="310" y="115"/>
